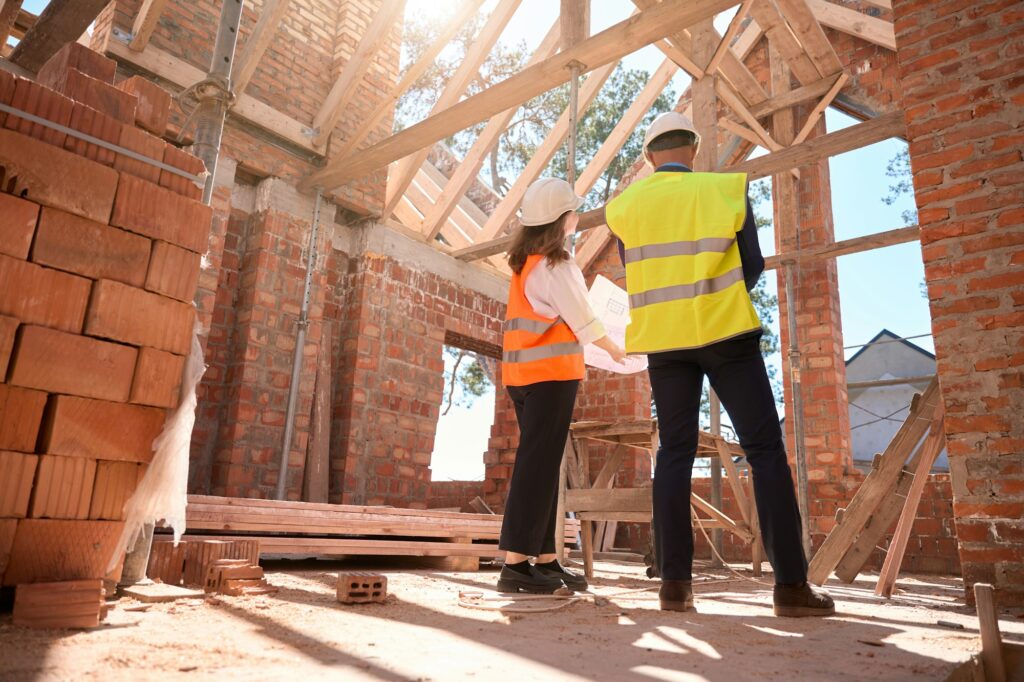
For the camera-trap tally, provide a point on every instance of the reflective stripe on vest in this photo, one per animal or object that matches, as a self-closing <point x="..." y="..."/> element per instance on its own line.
<point x="536" y="348"/>
<point x="684" y="275"/>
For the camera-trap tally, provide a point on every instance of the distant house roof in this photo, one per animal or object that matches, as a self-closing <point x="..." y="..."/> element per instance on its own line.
<point x="893" y="338"/>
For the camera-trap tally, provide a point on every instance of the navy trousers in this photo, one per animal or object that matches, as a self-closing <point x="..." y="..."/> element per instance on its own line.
<point x="737" y="372"/>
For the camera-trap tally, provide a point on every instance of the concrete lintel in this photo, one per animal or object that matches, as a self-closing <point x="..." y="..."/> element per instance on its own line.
<point x="276" y="194"/>
<point x="372" y="237"/>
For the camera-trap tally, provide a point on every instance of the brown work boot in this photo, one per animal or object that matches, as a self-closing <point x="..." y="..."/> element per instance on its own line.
<point x="799" y="601"/>
<point x="676" y="595"/>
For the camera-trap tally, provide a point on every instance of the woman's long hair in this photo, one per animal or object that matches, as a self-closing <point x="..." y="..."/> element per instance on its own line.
<point x="547" y="240"/>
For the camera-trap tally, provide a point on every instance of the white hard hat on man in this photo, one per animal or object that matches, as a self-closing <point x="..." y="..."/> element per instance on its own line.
<point x="668" y="122"/>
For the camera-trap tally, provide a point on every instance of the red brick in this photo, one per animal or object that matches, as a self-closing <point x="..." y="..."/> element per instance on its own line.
<point x="59" y="362"/>
<point x="38" y="295"/>
<point x="157" y="378"/>
<point x="34" y="99"/>
<point x="140" y="142"/>
<point x="101" y="96"/>
<point x="63" y="487"/>
<point x="76" y="56"/>
<point x="8" y="328"/>
<point x="124" y="313"/>
<point x="59" y="605"/>
<point x="1003" y="281"/>
<point x="115" y="483"/>
<point x="154" y="106"/>
<point x="17" y="225"/>
<point x="173" y="271"/>
<point x="17" y="471"/>
<point x="50" y="549"/>
<point x="80" y="427"/>
<point x="21" y="413"/>
<point x="87" y="120"/>
<point x="159" y="213"/>
<point x="6" y="92"/>
<point x="184" y="161"/>
<point x="84" y="247"/>
<point x="54" y="177"/>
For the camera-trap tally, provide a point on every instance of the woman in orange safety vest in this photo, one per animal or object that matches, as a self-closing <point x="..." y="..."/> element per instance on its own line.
<point x="548" y="321"/>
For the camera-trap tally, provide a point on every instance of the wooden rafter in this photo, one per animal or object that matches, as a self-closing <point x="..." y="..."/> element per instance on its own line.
<point x="145" y="23"/>
<point x="456" y="86"/>
<point x="854" y="137"/>
<point x="793" y="97"/>
<point x="262" y="34"/>
<point x="768" y="16"/>
<point x="347" y="84"/>
<point x="504" y="211"/>
<point x="748" y="39"/>
<point x="9" y="10"/>
<point x="810" y="34"/>
<point x="61" y="22"/>
<point x="876" y="31"/>
<point x="730" y="33"/>
<point x="608" y="46"/>
<point x="819" y="109"/>
<point x="737" y="105"/>
<point x="869" y="242"/>
<point x="470" y="166"/>
<point x="387" y="104"/>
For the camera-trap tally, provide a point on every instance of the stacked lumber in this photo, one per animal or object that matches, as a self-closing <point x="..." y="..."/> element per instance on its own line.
<point x="306" y="528"/>
<point x="237" y="577"/>
<point x="99" y="261"/>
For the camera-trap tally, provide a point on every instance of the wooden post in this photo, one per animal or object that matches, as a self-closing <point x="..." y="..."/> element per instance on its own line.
<point x="991" y="643"/>
<point x="8" y="13"/>
<point x="575" y="21"/>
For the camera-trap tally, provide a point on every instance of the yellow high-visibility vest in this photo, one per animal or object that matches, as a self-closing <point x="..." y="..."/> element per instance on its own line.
<point x="683" y="270"/>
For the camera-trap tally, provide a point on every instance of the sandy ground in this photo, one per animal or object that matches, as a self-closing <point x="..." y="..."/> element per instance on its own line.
<point x="422" y="633"/>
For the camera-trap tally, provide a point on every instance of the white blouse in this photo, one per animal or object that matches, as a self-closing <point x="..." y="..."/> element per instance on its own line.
<point x="560" y="291"/>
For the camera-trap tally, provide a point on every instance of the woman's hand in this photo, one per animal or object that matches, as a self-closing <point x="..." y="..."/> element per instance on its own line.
<point x="612" y="348"/>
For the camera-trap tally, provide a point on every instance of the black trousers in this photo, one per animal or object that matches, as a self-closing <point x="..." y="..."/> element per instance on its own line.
<point x="737" y="372"/>
<point x="544" y="411"/>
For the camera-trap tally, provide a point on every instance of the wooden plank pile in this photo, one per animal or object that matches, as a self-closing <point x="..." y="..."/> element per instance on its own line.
<point x="99" y="260"/>
<point x="306" y="528"/>
<point x="890" y="491"/>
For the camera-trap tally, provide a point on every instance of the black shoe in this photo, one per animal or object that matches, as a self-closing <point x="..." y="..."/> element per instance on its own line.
<point x="513" y="581"/>
<point x="799" y="601"/>
<point x="676" y="595"/>
<point x="573" y="581"/>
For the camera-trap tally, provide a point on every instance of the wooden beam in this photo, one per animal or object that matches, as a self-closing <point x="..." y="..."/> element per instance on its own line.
<point x="730" y="33"/>
<point x="741" y="130"/>
<point x="588" y="221"/>
<point x="819" y="108"/>
<point x="737" y="105"/>
<point x="848" y="139"/>
<point x="876" y="31"/>
<point x="468" y="70"/>
<point x="9" y="10"/>
<point x="768" y="16"/>
<point x="347" y="84"/>
<point x="575" y="22"/>
<point x="183" y="74"/>
<point x="468" y="169"/>
<point x="793" y="97"/>
<point x="988" y="627"/>
<point x="262" y="34"/>
<point x="412" y="74"/>
<point x="868" y="242"/>
<point x="605" y="47"/>
<point x="145" y="23"/>
<point x="624" y="128"/>
<point x="704" y="95"/>
<point x="681" y="59"/>
<point x="62" y="22"/>
<point x="810" y="34"/>
<point x="504" y="211"/>
<point x="749" y="39"/>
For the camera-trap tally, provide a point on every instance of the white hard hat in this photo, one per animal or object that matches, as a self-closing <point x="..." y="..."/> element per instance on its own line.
<point x="666" y="123"/>
<point x="546" y="200"/>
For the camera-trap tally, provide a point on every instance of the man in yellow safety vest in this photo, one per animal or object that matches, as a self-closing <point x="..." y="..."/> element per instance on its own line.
<point x="689" y="244"/>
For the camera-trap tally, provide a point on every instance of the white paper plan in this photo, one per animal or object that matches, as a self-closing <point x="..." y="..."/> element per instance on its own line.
<point x="611" y="305"/>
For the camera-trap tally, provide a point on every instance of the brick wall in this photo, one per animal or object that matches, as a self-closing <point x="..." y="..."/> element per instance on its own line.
<point x="961" y="66"/>
<point x="454" y="493"/>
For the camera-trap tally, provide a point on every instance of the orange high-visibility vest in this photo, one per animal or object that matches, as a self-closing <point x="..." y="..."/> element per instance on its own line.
<point x="536" y="348"/>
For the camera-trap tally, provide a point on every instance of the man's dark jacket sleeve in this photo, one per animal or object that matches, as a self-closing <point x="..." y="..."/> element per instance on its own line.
<point x="750" y="249"/>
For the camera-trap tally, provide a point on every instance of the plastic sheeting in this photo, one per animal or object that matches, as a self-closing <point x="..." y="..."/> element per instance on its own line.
<point x="163" y="492"/>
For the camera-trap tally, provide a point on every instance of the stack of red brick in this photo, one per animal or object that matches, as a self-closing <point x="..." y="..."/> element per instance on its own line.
<point x="99" y="260"/>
